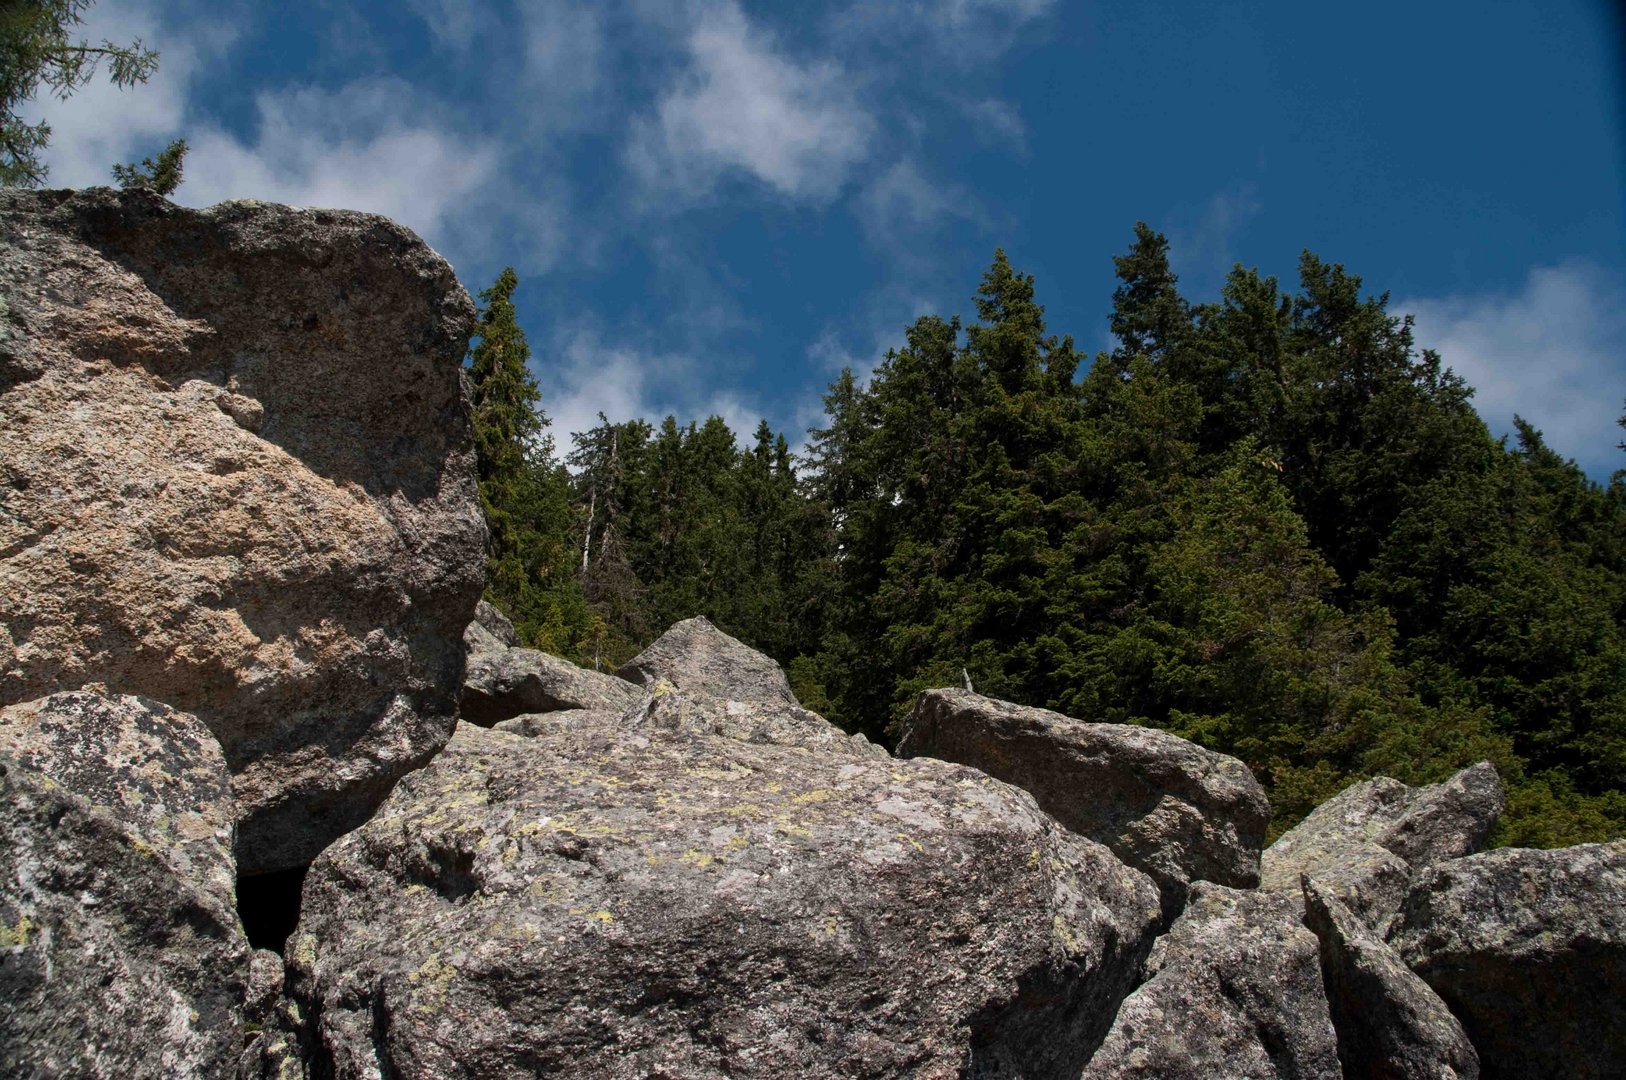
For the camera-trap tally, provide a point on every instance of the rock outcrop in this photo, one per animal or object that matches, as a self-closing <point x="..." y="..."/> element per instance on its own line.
<point x="1234" y="991"/>
<point x="1161" y="803"/>
<point x="608" y="902"/>
<point x="1528" y="948"/>
<point x="1389" y="1023"/>
<point x="1369" y="842"/>
<point x="237" y="477"/>
<point x="120" y="950"/>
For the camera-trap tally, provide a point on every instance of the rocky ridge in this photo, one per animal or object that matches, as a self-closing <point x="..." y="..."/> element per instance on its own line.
<point x="674" y="871"/>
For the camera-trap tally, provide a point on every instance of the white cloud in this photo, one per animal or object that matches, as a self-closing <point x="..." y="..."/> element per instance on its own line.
<point x="744" y="106"/>
<point x="100" y="125"/>
<point x="367" y="146"/>
<point x="1552" y="351"/>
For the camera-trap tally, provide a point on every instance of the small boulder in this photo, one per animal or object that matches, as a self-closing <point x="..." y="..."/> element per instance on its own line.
<point x="1369" y="842"/>
<point x="1162" y="804"/>
<point x="695" y="655"/>
<point x="1234" y="990"/>
<point x="1528" y="948"/>
<point x="120" y="950"/>
<point x="502" y="681"/>
<point x="605" y="902"/>
<point x="1389" y="1023"/>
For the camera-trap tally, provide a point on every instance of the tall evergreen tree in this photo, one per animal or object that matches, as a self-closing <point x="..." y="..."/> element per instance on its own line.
<point x="523" y="491"/>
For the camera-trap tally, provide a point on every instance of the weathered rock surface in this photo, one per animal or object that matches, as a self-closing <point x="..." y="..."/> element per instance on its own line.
<point x="555" y="723"/>
<point x="503" y="681"/>
<point x="1528" y="948"/>
<point x="694" y="655"/>
<point x="1161" y="803"/>
<point x="1389" y="1023"/>
<point x="236" y="476"/>
<point x="1368" y="843"/>
<point x="157" y="770"/>
<point x="1234" y="991"/>
<point x="618" y="903"/>
<point x="696" y="712"/>
<point x="120" y="950"/>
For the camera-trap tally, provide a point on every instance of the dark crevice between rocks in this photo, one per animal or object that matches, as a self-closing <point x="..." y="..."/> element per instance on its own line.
<point x="1058" y="1020"/>
<point x="268" y="904"/>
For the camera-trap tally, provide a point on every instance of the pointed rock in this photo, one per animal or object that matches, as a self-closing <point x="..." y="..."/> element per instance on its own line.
<point x="695" y="655"/>
<point x="502" y="681"/>
<point x="696" y="712"/>
<point x="1369" y="842"/>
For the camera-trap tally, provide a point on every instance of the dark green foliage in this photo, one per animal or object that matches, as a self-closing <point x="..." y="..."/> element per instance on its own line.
<point x="1268" y="524"/>
<point x="36" y="48"/>
<point x="162" y="176"/>
<point x="524" y="492"/>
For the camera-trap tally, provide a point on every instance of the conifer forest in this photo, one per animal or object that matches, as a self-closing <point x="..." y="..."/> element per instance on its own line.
<point x="1265" y="521"/>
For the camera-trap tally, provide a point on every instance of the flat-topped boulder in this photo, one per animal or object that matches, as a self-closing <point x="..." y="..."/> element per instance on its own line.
<point x="120" y="949"/>
<point x="1528" y="948"/>
<point x="605" y="902"/>
<point x="1163" y="804"/>
<point x="1369" y="842"/>
<point x="239" y="476"/>
<point x="503" y="681"/>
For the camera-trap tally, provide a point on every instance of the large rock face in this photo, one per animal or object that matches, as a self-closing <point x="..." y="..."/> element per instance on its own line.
<point x="605" y="902"/>
<point x="1163" y="804"/>
<point x="1234" y="991"/>
<point x="236" y="476"/>
<point x="503" y="681"/>
<point x="120" y="950"/>
<point x="1369" y="842"/>
<point x="1529" y="950"/>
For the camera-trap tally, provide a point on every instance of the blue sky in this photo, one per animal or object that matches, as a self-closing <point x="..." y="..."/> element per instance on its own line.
<point x="714" y="205"/>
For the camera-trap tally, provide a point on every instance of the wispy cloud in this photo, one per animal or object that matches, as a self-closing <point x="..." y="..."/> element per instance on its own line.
<point x="743" y="106"/>
<point x="1203" y="239"/>
<point x="996" y="122"/>
<point x="1553" y="351"/>
<point x="566" y="56"/>
<point x="961" y="32"/>
<point x="903" y="202"/>
<point x="372" y="145"/>
<point x="588" y="374"/>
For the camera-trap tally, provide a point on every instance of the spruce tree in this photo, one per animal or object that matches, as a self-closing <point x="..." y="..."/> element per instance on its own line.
<point x="523" y="491"/>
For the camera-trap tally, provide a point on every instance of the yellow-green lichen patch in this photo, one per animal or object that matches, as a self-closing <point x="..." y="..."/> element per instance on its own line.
<point x="15" y="937"/>
<point x="434" y="979"/>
